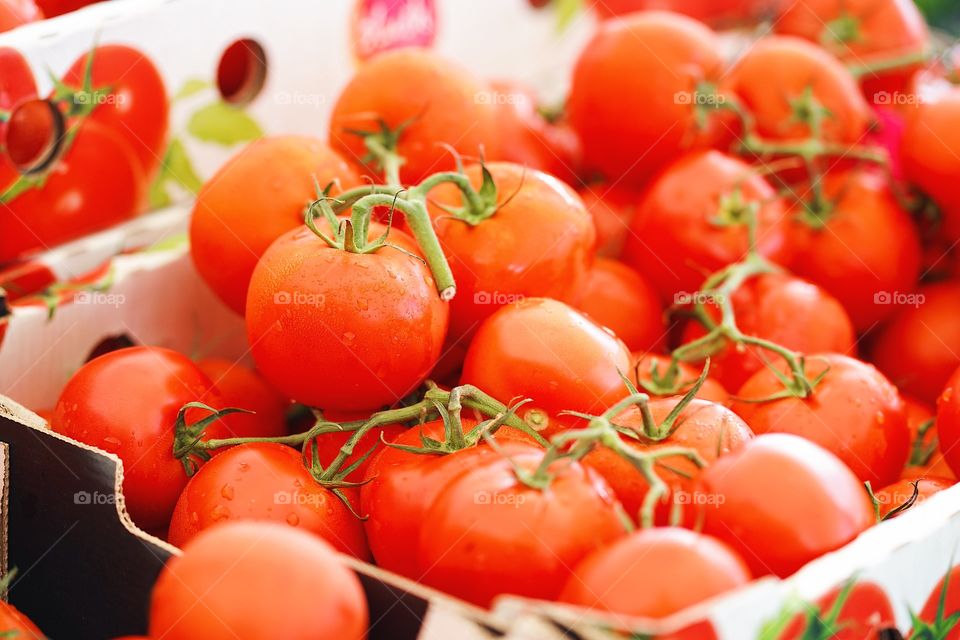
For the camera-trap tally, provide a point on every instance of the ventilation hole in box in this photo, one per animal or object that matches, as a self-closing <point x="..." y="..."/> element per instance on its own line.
<point x="110" y="343"/>
<point x="35" y="135"/>
<point x="242" y="71"/>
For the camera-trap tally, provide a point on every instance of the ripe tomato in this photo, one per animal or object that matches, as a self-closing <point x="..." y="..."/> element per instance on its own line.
<point x="674" y="240"/>
<point x="650" y="63"/>
<point x="487" y="533"/>
<point x="807" y="503"/>
<point x="617" y="297"/>
<point x="440" y="100"/>
<point x="920" y="347"/>
<point x="781" y="309"/>
<point x="539" y="243"/>
<point x="126" y="403"/>
<point x="854" y="412"/>
<point x="16" y="87"/>
<point x="14" y="13"/>
<point x="901" y="491"/>
<point x="256" y="197"/>
<point x="775" y="75"/>
<point x="612" y="209"/>
<point x="948" y="422"/>
<point x="867" y="250"/>
<point x="244" y="388"/>
<point x="707" y="428"/>
<point x="863" y="613"/>
<point x="16" y="625"/>
<point x="655" y="573"/>
<point x="136" y="107"/>
<point x="265" y="481"/>
<point x="260" y="581"/>
<point x="647" y="362"/>
<point x="340" y="330"/>
<point x="545" y="350"/>
<point x="942" y="603"/>
<point x="402" y="485"/>
<point x="926" y="460"/>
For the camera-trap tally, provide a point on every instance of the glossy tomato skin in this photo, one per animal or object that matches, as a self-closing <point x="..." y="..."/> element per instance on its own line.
<point x="97" y="183"/>
<point x="136" y="107"/>
<point x="539" y="243"/>
<point x="545" y="350"/>
<point x="645" y="363"/>
<point x="17" y="625"/>
<point x="441" y="100"/>
<point x="257" y="196"/>
<point x="645" y="62"/>
<point x="264" y="481"/>
<point x="620" y="299"/>
<point x="707" y="428"/>
<point x="340" y="330"/>
<point x="487" y="533"/>
<point x="14" y="13"/>
<point x="674" y="241"/>
<point x="654" y="573"/>
<point x="930" y="612"/>
<point x="612" y="208"/>
<point x="785" y="501"/>
<point x="868" y="251"/>
<point x="854" y="412"/>
<point x="866" y="611"/>
<point x="259" y="581"/>
<point x="901" y="491"/>
<point x="243" y="388"/>
<point x="781" y="309"/>
<point x="948" y="422"/>
<point x="126" y="403"/>
<point x="918" y="348"/>
<point x="16" y="82"/>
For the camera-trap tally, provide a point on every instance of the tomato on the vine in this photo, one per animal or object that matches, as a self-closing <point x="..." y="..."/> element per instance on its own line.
<point x="243" y="387"/>
<point x="948" y="422"/>
<point x="646" y="364"/>
<point x="912" y="492"/>
<point x="926" y="459"/>
<point x="852" y="612"/>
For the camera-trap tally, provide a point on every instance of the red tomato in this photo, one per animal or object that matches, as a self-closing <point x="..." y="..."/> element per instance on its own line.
<point x="777" y="71"/>
<point x="487" y="533"/>
<point x="16" y="625"/>
<point x="707" y="428"/>
<point x="136" y="107"/>
<point x="920" y="347"/>
<point x="340" y="330"/>
<point x="14" y="13"/>
<point x="261" y="580"/>
<point x="256" y="197"/>
<point x="866" y="252"/>
<point x="53" y="8"/>
<point x="781" y="309"/>
<point x="948" y="422"/>
<point x="647" y="362"/>
<point x="265" y="481"/>
<point x="539" y="243"/>
<point x="440" y="100"/>
<point x="617" y="297"/>
<point x="936" y="615"/>
<point x="649" y="63"/>
<point x="926" y="460"/>
<point x="16" y="82"/>
<point x="854" y="412"/>
<point x="674" y="240"/>
<point x="244" y="388"/>
<point x="126" y="403"/>
<point x="613" y="209"/>
<point x="864" y="612"/>
<point x="899" y="493"/>
<point x="544" y="350"/>
<point x="783" y="501"/>
<point x="655" y="573"/>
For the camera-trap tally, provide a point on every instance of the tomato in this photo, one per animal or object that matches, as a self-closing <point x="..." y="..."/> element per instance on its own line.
<point x="256" y="197"/>
<point x="647" y="362"/>
<point x="244" y="388"/>
<point x="707" y="428"/>
<point x="867" y="250"/>
<point x="539" y="243"/>
<point x="931" y="155"/>
<point x="545" y="350"/>
<point x="900" y="492"/>
<point x="265" y="481"/>
<point x="16" y="83"/>
<point x="612" y="209"/>
<point x="402" y="485"/>
<point x="861" y="32"/>
<point x="14" y="13"/>
<point x="781" y="309"/>
<point x="864" y="611"/>
<point x="126" y="403"/>
<point x="926" y="460"/>
<point x="920" y="347"/>
<point x="329" y="444"/>
<point x="617" y="297"/>
<point x="655" y="573"/>
<point x="650" y="63"/>
<point x="340" y="330"/>
<point x="14" y="624"/>
<point x="941" y="605"/>
<point x="487" y="533"/>
<point x="53" y="8"/>
<point x="136" y="107"/>
<point x="441" y="102"/>
<point x="948" y="422"/>
<point x="854" y="412"/>
<point x="783" y="501"/>
<point x="95" y="184"/>
<point x="675" y="240"/>
<point x="777" y="72"/>
<point x="261" y="580"/>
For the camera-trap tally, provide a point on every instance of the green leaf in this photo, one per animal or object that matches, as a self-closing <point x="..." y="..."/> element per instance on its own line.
<point x="223" y="124"/>
<point x="191" y="87"/>
<point x="566" y="10"/>
<point x="179" y="169"/>
<point x="166" y="244"/>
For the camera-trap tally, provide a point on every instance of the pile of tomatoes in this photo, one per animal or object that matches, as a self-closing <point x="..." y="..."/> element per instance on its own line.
<point x="696" y="329"/>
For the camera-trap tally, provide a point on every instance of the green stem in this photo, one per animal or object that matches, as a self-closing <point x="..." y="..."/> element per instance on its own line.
<point x="894" y="63"/>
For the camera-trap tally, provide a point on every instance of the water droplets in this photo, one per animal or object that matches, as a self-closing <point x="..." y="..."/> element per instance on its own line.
<point x="293" y="519"/>
<point x="219" y="513"/>
<point x="348" y="338"/>
<point x="227" y="491"/>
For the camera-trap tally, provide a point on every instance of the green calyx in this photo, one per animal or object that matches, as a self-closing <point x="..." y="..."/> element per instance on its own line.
<point x="187" y="437"/>
<point x="920" y="452"/>
<point x="842" y="30"/>
<point x="382" y="145"/>
<point x="942" y="625"/>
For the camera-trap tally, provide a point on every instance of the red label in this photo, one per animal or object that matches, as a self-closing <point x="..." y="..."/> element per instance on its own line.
<point x="381" y="25"/>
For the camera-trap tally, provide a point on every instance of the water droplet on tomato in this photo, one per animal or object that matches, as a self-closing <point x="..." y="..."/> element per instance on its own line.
<point x="194" y="517"/>
<point x="348" y="338"/>
<point x="947" y="394"/>
<point x="112" y="441"/>
<point x="293" y="519"/>
<point x="362" y="304"/>
<point x="219" y="512"/>
<point x="227" y="491"/>
<point x="244" y="466"/>
<point x="881" y="418"/>
<point x="297" y="484"/>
